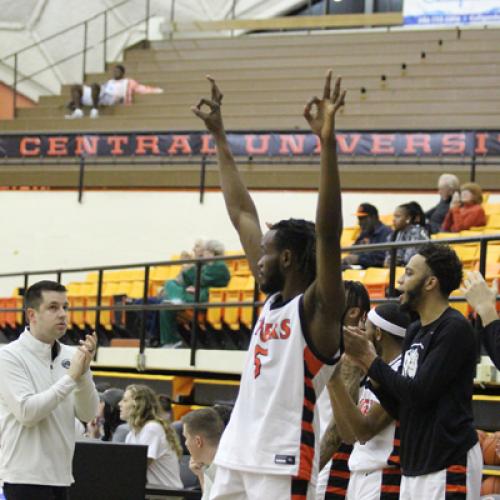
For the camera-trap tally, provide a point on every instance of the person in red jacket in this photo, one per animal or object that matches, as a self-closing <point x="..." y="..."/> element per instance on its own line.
<point x="465" y="210"/>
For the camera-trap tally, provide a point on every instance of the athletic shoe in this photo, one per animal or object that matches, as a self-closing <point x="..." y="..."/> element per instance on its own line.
<point x="94" y="113"/>
<point x="77" y="113"/>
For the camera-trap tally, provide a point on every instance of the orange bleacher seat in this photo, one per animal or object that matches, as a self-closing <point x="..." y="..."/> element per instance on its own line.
<point x="214" y="314"/>
<point x="376" y="280"/>
<point x="461" y="306"/>
<point x="468" y="254"/>
<point x="386" y="219"/>
<point x="493" y="221"/>
<point x="349" y="235"/>
<point x="491" y="208"/>
<point x="353" y="275"/>
<point x="444" y="236"/>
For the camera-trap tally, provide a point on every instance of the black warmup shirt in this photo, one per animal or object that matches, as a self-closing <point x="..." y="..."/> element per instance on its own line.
<point x="431" y="394"/>
<point x="491" y="341"/>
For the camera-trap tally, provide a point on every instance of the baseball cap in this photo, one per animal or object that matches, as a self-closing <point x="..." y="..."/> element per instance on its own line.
<point x="366" y="209"/>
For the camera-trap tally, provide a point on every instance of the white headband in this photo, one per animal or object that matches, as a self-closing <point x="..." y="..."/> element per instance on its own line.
<point x="385" y="325"/>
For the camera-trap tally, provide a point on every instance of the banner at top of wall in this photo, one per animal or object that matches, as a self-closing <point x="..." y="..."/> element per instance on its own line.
<point x="450" y="12"/>
<point x="272" y="144"/>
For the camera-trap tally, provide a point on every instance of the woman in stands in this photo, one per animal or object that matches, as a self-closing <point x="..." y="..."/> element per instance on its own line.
<point x="407" y="221"/>
<point x="465" y="209"/>
<point x="103" y="427"/>
<point x="141" y="409"/>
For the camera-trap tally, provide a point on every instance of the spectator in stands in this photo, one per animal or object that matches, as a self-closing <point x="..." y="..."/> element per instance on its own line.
<point x="43" y="385"/>
<point x="448" y="184"/>
<point x="141" y="409"/>
<point x="431" y="394"/>
<point x="372" y="231"/>
<point x="108" y="418"/>
<point x="115" y="91"/>
<point x="483" y="300"/>
<point x="365" y="422"/>
<point x="406" y="228"/>
<point x="182" y="289"/>
<point x="203" y="430"/>
<point x="465" y="209"/>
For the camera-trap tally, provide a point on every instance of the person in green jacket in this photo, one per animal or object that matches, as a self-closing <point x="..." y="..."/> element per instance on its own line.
<point x="182" y="289"/>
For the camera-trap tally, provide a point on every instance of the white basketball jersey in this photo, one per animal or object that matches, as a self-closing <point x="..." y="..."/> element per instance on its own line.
<point x="274" y="425"/>
<point x="373" y="455"/>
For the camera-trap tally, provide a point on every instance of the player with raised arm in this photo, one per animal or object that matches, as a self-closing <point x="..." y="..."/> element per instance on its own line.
<point x="269" y="448"/>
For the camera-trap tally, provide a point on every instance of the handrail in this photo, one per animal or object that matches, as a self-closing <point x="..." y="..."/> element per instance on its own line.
<point x="65" y="30"/>
<point x="197" y="305"/>
<point x="83" y="52"/>
<point x="294" y="22"/>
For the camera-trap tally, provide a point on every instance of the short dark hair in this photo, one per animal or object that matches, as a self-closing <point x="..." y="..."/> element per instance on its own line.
<point x="205" y="422"/>
<point x="356" y="296"/>
<point x="444" y="264"/>
<point x="299" y="236"/>
<point x="33" y="296"/>
<point x="120" y="67"/>
<point x="415" y="212"/>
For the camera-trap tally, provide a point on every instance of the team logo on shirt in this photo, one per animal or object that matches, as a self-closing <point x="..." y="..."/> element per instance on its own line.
<point x="410" y="363"/>
<point x="268" y="331"/>
<point x="66" y="363"/>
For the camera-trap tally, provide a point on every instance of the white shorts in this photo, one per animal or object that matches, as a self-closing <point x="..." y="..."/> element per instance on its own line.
<point x="365" y="485"/>
<point x="322" y="482"/>
<point x="457" y="482"/>
<point x="230" y="484"/>
<point x="87" y="96"/>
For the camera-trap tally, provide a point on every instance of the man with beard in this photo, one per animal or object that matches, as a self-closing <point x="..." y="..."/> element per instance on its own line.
<point x="432" y="392"/>
<point x="269" y="448"/>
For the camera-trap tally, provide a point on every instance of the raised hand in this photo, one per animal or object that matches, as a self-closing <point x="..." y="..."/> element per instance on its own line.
<point x="322" y="122"/>
<point x="481" y="297"/>
<point x="212" y="118"/>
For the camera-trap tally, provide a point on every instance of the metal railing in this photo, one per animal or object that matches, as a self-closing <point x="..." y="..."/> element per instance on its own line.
<point x="197" y="306"/>
<point x="83" y="26"/>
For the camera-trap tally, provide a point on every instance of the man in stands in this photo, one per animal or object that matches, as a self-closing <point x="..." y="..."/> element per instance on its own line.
<point x="431" y="394"/>
<point x="269" y="447"/>
<point x="374" y="461"/>
<point x="483" y="300"/>
<point x="202" y="430"/>
<point x="448" y="184"/>
<point x="115" y="91"/>
<point x="372" y="231"/>
<point x="43" y="386"/>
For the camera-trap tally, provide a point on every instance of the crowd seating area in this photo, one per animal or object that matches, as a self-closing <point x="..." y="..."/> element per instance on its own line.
<point x="225" y="325"/>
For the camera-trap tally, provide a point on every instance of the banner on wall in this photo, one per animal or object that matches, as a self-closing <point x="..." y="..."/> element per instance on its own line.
<point x="450" y="12"/>
<point x="264" y="144"/>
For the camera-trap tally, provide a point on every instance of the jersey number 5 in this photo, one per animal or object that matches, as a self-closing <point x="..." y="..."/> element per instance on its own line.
<point x="259" y="351"/>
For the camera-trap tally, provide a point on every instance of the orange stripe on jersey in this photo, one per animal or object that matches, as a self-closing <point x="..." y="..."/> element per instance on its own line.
<point x="456" y="488"/>
<point x="341" y="456"/>
<point x="397" y="442"/>
<point x="394" y="458"/>
<point x="458" y="469"/>
<point x="336" y="490"/>
<point x="385" y="488"/>
<point x="306" y="426"/>
<point x="298" y="497"/>
<point x="340" y="473"/>
<point x="313" y="364"/>
<point x="306" y="460"/>
<point x="392" y="470"/>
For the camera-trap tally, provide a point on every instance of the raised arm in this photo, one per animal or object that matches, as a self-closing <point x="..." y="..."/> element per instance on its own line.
<point x="239" y="204"/>
<point x="324" y="299"/>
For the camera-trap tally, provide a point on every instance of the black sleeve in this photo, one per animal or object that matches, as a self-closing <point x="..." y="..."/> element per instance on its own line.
<point x="491" y="341"/>
<point x="388" y="402"/>
<point x="453" y="343"/>
<point x="374" y="258"/>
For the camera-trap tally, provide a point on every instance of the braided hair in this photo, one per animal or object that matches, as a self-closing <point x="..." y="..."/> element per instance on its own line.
<point x="299" y="236"/>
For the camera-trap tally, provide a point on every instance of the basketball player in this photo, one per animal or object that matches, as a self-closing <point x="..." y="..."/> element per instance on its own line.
<point x="268" y="449"/>
<point x="357" y="307"/>
<point x="374" y="461"/>
<point x="431" y="394"/>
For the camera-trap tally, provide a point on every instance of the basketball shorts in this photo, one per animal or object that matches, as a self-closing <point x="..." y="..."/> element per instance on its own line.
<point x="461" y="481"/>
<point x="230" y="484"/>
